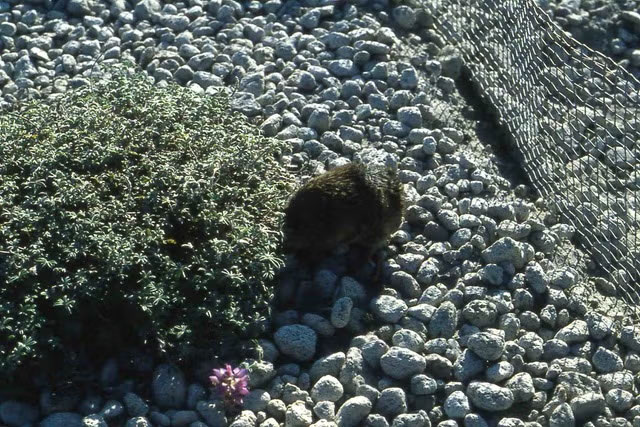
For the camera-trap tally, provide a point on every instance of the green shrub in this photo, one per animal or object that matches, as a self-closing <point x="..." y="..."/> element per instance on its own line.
<point x="127" y="210"/>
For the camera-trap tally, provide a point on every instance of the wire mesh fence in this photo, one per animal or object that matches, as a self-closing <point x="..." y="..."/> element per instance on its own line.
<point x="573" y="115"/>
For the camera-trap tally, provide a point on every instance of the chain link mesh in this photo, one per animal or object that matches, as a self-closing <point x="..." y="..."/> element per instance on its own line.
<point x="573" y="115"/>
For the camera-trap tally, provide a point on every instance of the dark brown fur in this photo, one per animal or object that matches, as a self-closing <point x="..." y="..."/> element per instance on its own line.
<point x="351" y="204"/>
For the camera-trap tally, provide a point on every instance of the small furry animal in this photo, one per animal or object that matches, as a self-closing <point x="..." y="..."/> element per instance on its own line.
<point x="355" y="204"/>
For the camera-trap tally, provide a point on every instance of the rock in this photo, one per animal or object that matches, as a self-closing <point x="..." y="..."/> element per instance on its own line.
<point x="298" y="415"/>
<point x="423" y="384"/>
<point x="325" y="410"/>
<point x="521" y="385"/>
<point x="296" y="341"/>
<point x="256" y="401"/>
<point x="213" y="413"/>
<point x="619" y="400"/>
<point x="587" y="406"/>
<point x="499" y="372"/>
<point x="79" y="8"/>
<point x="562" y="416"/>
<point x="388" y="309"/>
<point x="373" y="350"/>
<point x="486" y="345"/>
<point x="509" y="250"/>
<point x="401" y="363"/>
<point x="183" y="418"/>
<point x="327" y="365"/>
<point x="438" y="366"/>
<point x="327" y="388"/>
<point x="260" y="373"/>
<point x="489" y="397"/>
<point x="352" y="370"/>
<point x="342" y="67"/>
<point x="480" y="313"/>
<point x="146" y="9"/>
<point x="467" y="366"/>
<point x="606" y="361"/>
<point x="341" y="312"/>
<point x="574" y="333"/>
<point x="139" y="422"/>
<point x="62" y="419"/>
<point x="456" y="405"/>
<point x="392" y="401"/>
<point x="577" y="384"/>
<point x="353" y="411"/>
<point x="245" y="103"/>
<point x="444" y="321"/>
<point x="404" y="16"/>
<point x="16" y="414"/>
<point x="408" y="339"/>
<point x="310" y="19"/>
<point x="168" y="387"/>
<point x="112" y="409"/>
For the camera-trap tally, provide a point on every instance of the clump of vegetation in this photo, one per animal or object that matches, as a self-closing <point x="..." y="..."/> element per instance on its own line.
<point x="131" y="212"/>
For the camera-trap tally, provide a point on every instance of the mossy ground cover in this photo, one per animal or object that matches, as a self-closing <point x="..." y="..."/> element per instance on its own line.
<point x="133" y="214"/>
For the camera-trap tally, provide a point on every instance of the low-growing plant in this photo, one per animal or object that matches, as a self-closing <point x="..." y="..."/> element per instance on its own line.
<point x="132" y="212"/>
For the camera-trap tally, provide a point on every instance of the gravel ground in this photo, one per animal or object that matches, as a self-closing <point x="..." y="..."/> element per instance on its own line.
<point x="480" y="323"/>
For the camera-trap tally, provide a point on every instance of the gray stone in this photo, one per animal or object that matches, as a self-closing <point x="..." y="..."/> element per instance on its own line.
<point x="456" y="405"/>
<point x="410" y="116"/>
<point x="245" y="103"/>
<point x="587" y="406"/>
<point x="509" y="250"/>
<point x="183" y="418"/>
<point x="423" y="384"/>
<point x="405" y="16"/>
<point x="256" y="401"/>
<point x="260" y="373"/>
<point x="352" y="370"/>
<point x="408" y="339"/>
<point x="296" y="341"/>
<point x="112" y="409"/>
<point x="94" y="420"/>
<point x="373" y="350"/>
<point x="444" y="321"/>
<point x="145" y="9"/>
<point x="160" y="419"/>
<point x="388" y="309"/>
<point x="401" y="363"/>
<point x="140" y="422"/>
<point x="486" y="345"/>
<point x="16" y="414"/>
<point x="353" y="411"/>
<point x="574" y="333"/>
<point x="79" y="8"/>
<point x="62" y="419"/>
<point x="327" y="388"/>
<point x="327" y="365"/>
<point x="392" y="401"/>
<point x="489" y="397"/>
<point x="310" y="19"/>
<point x="325" y="410"/>
<point x="342" y="67"/>
<point x="168" y="387"/>
<point x="467" y="366"/>
<point x="521" y="385"/>
<point x="298" y="415"/>
<point x="213" y="413"/>
<point x="619" y="400"/>
<point x="606" y="361"/>
<point x="562" y="416"/>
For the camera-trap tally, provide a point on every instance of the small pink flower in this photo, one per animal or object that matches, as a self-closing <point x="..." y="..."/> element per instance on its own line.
<point x="230" y="384"/>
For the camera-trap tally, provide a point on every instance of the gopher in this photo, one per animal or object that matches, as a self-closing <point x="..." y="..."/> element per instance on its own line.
<point x="352" y="204"/>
